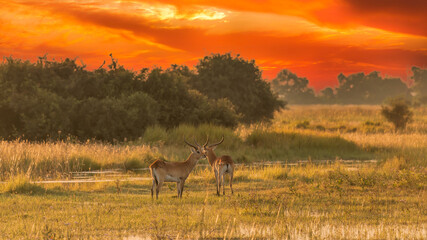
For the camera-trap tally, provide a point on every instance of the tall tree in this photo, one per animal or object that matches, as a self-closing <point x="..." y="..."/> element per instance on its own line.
<point x="292" y="88"/>
<point x="181" y="104"/>
<point x="222" y="76"/>
<point x="327" y="95"/>
<point x="359" y="88"/>
<point x="419" y="88"/>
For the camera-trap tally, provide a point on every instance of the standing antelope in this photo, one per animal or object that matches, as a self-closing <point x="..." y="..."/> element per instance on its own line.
<point x="220" y="165"/>
<point x="178" y="172"/>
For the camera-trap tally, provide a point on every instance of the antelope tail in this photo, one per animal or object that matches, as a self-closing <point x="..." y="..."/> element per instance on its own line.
<point x="153" y="171"/>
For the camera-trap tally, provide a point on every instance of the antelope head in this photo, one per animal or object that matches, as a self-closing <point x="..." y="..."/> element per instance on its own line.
<point x="196" y="149"/>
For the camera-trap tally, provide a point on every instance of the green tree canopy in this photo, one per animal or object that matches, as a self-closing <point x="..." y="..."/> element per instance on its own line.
<point x="222" y="76"/>
<point x="327" y="95"/>
<point x="419" y="88"/>
<point x="49" y="98"/>
<point x="292" y="88"/>
<point x="180" y="104"/>
<point x="359" y="88"/>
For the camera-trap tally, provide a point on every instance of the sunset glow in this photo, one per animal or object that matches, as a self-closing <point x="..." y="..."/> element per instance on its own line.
<point x="314" y="39"/>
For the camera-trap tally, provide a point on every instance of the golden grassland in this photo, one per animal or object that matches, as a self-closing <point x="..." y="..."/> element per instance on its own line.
<point x="382" y="199"/>
<point x="309" y="201"/>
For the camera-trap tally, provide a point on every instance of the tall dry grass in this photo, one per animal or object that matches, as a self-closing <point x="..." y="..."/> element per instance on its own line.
<point x="58" y="159"/>
<point x="300" y="133"/>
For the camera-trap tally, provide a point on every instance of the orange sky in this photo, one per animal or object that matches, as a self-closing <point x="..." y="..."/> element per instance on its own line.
<point x="314" y="39"/>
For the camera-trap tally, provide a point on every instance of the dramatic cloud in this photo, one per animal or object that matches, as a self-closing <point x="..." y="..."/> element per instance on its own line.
<point x="315" y="39"/>
<point x="395" y="15"/>
<point x="392" y="15"/>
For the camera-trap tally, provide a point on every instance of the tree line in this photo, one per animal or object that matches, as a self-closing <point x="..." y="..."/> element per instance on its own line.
<point x="56" y="99"/>
<point x="357" y="88"/>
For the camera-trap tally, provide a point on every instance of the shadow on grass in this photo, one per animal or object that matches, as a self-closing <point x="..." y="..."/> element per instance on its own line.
<point x="411" y="156"/>
<point x="30" y="189"/>
<point x="296" y="146"/>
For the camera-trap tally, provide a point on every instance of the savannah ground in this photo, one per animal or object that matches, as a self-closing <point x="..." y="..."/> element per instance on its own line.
<point x="322" y="183"/>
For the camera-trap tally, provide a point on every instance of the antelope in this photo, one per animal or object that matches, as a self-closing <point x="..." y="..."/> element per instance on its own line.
<point x="178" y="172"/>
<point x="220" y="165"/>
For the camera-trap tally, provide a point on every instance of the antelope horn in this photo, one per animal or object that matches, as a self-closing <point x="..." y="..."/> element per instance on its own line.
<point x="218" y="143"/>
<point x="190" y="144"/>
<point x="207" y="140"/>
<point x="195" y="142"/>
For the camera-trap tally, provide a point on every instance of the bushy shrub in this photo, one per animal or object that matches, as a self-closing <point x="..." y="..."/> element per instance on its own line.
<point x="398" y="113"/>
<point x="303" y="124"/>
<point x="320" y="128"/>
<point x="111" y="118"/>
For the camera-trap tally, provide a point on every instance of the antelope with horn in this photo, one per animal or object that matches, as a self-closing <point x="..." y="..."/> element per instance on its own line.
<point x="220" y="165"/>
<point x="163" y="171"/>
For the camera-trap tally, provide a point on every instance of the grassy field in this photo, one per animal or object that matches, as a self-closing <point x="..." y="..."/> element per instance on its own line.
<point x="299" y="202"/>
<point x="300" y="196"/>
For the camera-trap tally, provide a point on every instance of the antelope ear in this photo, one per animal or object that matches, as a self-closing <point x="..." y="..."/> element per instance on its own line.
<point x="192" y="150"/>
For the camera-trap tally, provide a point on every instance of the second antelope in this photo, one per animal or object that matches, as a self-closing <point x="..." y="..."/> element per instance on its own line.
<point x="178" y="172"/>
<point x="220" y="165"/>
